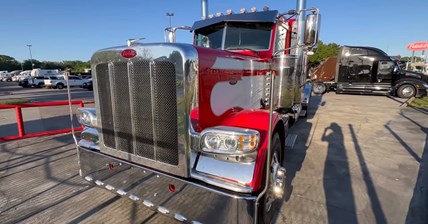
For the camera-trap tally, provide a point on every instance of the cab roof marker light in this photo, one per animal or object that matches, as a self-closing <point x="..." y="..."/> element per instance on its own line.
<point x="253" y="9"/>
<point x="210" y="16"/>
<point x="266" y="8"/>
<point x="229" y="12"/>
<point x="243" y="10"/>
<point x="203" y="18"/>
<point x="219" y="14"/>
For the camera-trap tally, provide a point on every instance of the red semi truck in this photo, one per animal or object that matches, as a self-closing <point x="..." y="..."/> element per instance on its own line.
<point x="198" y="131"/>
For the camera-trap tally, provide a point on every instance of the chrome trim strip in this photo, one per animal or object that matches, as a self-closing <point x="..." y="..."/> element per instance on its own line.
<point x="131" y="101"/>
<point x="152" y="95"/>
<point x="216" y="181"/>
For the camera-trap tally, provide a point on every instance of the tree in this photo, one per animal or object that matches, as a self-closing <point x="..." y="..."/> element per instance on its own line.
<point x="9" y="63"/>
<point x="417" y="59"/>
<point x="323" y="51"/>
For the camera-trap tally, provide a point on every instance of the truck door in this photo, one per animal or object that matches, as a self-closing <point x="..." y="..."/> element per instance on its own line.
<point x="355" y="70"/>
<point x="384" y="76"/>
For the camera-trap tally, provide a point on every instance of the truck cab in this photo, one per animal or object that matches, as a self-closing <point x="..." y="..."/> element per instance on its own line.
<point x="368" y="70"/>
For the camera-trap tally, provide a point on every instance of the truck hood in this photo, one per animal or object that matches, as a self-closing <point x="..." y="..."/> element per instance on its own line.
<point x="415" y="75"/>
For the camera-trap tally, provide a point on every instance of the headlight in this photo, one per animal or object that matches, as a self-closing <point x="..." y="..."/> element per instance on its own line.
<point x="87" y="117"/>
<point x="229" y="140"/>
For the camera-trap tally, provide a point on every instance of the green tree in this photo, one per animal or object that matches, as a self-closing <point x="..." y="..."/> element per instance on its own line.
<point x="9" y="63"/>
<point x="417" y="59"/>
<point x="323" y="51"/>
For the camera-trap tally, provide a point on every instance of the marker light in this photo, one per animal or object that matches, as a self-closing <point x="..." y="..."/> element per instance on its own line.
<point x="229" y="140"/>
<point x="266" y="8"/>
<point x="243" y="10"/>
<point x="210" y="16"/>
<point x="253" y="9"/>
<point x="229" y="12"/>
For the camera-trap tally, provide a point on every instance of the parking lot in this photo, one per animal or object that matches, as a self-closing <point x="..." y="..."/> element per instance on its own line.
<point x="357" y="159"/>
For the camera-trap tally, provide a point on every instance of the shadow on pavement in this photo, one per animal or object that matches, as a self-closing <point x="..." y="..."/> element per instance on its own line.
<point x="418" y="207"/>
<point x="39" y="125"/>
<point x="371" y="191"/>
<point x="340" y="201"/>
<point x="295" y="157"/>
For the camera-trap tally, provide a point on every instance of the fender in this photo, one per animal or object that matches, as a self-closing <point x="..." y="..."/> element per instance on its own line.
<point x="420" y="85"/>
<point x="256" y="120"/>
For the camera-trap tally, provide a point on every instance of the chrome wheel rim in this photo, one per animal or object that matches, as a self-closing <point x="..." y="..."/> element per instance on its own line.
<point x="270" y="198"/>
<point x="407" y="91"/>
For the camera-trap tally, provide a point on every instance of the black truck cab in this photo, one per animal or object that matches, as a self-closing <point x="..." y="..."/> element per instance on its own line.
<point x="368" y="70"/>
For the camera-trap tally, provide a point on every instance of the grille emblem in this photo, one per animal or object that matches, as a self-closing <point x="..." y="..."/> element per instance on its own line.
<point x="128" y="53"/>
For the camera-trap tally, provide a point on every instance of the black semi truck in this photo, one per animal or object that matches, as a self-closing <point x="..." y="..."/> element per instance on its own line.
<point x="368" y="70"/>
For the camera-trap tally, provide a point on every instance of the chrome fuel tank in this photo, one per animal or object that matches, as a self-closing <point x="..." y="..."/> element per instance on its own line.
<point x="285" y="80"/>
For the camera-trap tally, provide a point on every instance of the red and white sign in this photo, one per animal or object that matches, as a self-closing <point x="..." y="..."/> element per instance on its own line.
<point x="418" y="46"/>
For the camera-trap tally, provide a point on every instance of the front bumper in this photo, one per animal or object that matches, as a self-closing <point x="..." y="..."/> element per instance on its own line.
<point x="185" y="200"/>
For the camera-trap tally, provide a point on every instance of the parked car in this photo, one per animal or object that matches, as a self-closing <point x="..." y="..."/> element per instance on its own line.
<point x="22" y="75"/>
<point x="39" y="81"/>
<point x="24" y="83"/>
<point x="5" y="76"/>
<point x="87" y="85"/>
<point x="62" y="82"/>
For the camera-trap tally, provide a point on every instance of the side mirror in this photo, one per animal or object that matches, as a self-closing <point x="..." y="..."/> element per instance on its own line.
<point x="312" y="29"/>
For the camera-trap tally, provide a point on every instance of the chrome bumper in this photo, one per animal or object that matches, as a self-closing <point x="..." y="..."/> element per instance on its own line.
<point x="185" y="200"/>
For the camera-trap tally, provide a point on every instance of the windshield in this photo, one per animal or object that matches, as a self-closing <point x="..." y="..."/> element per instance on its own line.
<point x="235" y="36"/>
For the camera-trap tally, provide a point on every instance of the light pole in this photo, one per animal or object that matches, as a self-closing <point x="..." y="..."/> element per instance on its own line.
<point x="31" y="56"/>
<point x="170" y="14"/>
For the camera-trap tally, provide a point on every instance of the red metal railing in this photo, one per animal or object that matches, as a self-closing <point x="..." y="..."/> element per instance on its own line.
<point x="20" y="121"/>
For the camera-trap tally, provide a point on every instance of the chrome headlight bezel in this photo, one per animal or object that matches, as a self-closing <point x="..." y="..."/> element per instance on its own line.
<point x="226" y="140"/>
<point x="87" y="117"/>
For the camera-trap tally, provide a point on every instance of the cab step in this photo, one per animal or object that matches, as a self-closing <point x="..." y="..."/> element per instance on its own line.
<point x="290" y="141"/>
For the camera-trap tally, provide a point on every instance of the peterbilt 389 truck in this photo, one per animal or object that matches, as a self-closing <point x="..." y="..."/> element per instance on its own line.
<point x="198" y="131"/>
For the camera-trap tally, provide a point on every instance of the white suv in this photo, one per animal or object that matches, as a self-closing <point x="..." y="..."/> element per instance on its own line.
<point x="62" y="82"/>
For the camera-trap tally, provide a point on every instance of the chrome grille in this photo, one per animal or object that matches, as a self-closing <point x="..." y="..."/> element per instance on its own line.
<point x="138" y="108"/>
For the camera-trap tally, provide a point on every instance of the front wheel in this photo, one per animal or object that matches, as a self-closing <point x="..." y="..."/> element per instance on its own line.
<point x="406" y="91"/>
<point x="269" y="203"/>
<point x="60" y="86"/>
<point x="319" y="88"/>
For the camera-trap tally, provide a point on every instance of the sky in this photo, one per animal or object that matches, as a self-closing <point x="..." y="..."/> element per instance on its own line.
<point x="60" y="30"/>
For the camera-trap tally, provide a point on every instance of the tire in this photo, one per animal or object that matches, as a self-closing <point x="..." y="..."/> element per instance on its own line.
<point x="319" y="88"/>
<point x="269" y="205"/>
<point x="40" y="85"/>
<point x="406" y="91"/>
<point x="59" y="86"/>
